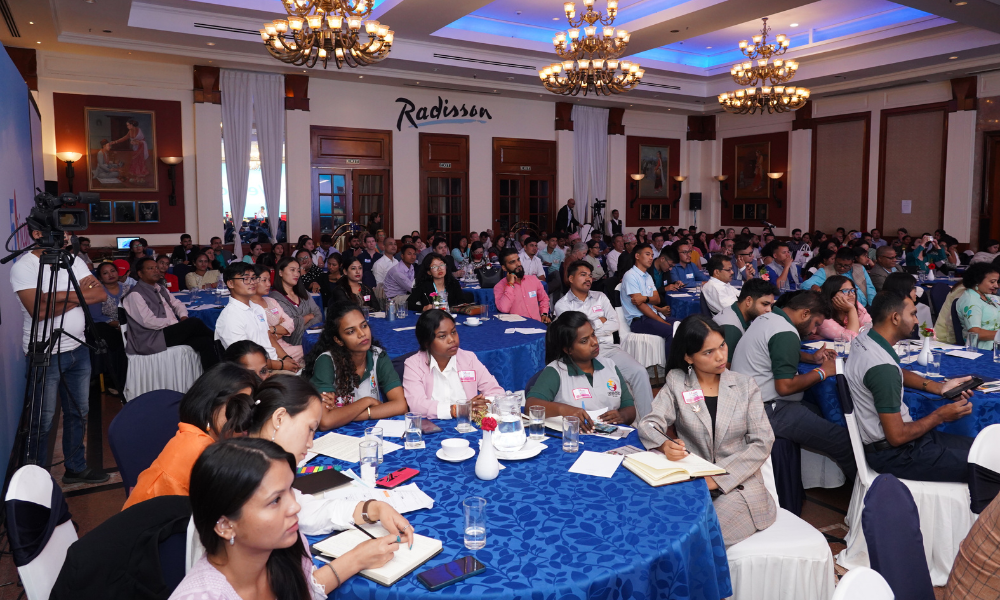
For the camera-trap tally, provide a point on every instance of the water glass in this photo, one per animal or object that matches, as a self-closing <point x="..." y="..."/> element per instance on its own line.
<point x="996" y="351"/>
<point x="401" y="310"/>
<point x="444" y="300"/>
<point x="413" y="436"/>
<point x="536" y="422"/>
<point x="934" y="364"/>
<point x="475" y="522"/>
<point x="972" y="342"/>
<point x="463" y="413"/>
<point x="840" y="345"/>
<point x="902" y="350"/>
<point x="366" y="312"/>
<point x="375" y="434"/>
<point x="571" y="434"/>
<point x="486" y="312"/>
<point x="369" y="453"/>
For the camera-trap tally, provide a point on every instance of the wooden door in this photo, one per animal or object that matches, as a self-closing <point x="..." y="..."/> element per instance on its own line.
<point x="444" y="185"/>
<point x="331" y="200"/>
<point x="524" y="182"/>
<point x="352" y="177"/>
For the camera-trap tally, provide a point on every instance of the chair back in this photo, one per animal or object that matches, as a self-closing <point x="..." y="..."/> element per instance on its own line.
<point x="531" y="383"/>
<point x="140" y="431"/>
<point x="705" y="310"/>
<point x="862" y="583"/>
<point x="956" y="324"/>
<point x="767" y="471"/>
<point x="939" y="292"/>
<point x="623" y="329"/>
<point x="865" y="474"/>
<point x="39" y="529"/>
<point x="984" y="468"/>
<point x="399" y="363"/>
<point x="891" y="525"/>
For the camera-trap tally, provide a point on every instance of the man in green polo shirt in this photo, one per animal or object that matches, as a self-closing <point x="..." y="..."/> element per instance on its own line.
<point x="756" y="298"/>
<point x="893" y="441"/>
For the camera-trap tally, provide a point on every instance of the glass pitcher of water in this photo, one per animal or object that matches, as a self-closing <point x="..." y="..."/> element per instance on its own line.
<point x="510" y="434"/>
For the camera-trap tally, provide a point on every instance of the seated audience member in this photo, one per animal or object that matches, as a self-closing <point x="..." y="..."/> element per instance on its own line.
<point x="368" y="256"/>
<point x="844" y="264"/>
<point x="630" y="243"/>
<point x="478" y="257"/>
<point x="203" y="277"/>
<point x="351" y="288"/>
<point x="241" y="319"/>
<point x="222" y="256"/>
<point x="663" y="264"/>
<point x="388" y="261"/>
<point x="885" y="265"/>
<point x="639" y="298"/>
<point x="552" y="257"/>
<point x="574" y="252"/>
<point x="530" y="260"/>
<point x="399" y="279"/>
<point x="575" y="381"/>
<point x="976" y="572"/>
<point x="717" y="291"/>
<point x="952" y="259"/>
<point x="617" y="248"/>
<point x="943" y="327"/>
<point x="243" y="505"/>
<point x="82" y="251"/>
<point x="250" y="355"/>
<point x="461" y="254"/>
<point x="311" y="274"/>
<point x="271" y="258"/>
<point x="136" y="250"/>
<point x="520" y="294"/>
<point x="782" y="270"/>
<point x="330" y="279"/>
<point x="205" y="413"/>
<point x="769" y="352"/>
<point x="894" y="442"/>
<point x="158" y="321"/>
<point x="906" y="284"/>
<point x="441" y="374"/>
<point x="756" y="298"/>
<point x="847" y="315"/>
<point x="279" y="324"/>
<point x="351" y="369"/>
<point x="432" y="279"/>
<point x="697" y="375"/>
<point x="604" y="319"/>
<point x="184" y="253"/>
<point x="256" y="251"/>
<point x="821" y="259"/>
<point x="594" y="258"/>
<point x="296" y="302"/>
<point x="685" y="270"/>
<point x="744" y="268"/>
<point x="441" y="247"/>
<point x="715" y="244"/>
<point x="925" y="252"/>
<point x="979" y="307"/>
<point x="167" y="280"/>
<point x="106" y="322"/>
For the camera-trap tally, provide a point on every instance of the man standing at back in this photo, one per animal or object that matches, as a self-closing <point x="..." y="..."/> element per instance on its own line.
<point x="566" y="220"/>
<point x="615" y="223"/>
<point x="520" y="294"/>
<point x="184" y="253"/>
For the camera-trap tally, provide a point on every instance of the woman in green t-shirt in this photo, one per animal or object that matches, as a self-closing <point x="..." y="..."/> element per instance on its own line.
<point x="349" y="368"/>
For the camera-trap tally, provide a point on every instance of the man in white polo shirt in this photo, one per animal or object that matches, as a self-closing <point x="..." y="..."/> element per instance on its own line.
<point x="244" y="320"/>
<point x="717" y="291"/>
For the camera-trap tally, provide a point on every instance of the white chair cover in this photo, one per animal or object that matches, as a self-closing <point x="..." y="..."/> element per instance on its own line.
<point x="945" y="516"/>
<point x="646" y="349"/>
<point x="863" y="583"/>
<point x="790" y="560"/>
<point x="985" y="450"/>
<point x="819" y="471"/>
<point x="176" y="368"/>
<point x="32" y="483"/>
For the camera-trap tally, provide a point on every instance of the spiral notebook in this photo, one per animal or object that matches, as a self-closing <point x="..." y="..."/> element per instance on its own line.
<point x="404" y="561"/>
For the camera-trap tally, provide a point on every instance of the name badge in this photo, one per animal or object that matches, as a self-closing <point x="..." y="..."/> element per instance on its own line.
<point x="467" y="376"/>
<point x="597" y="309"/>
<point x="693" y="396"/>
<point x="532" y="294"/>
<point x="261" y="318"/>
<point x="581" y="393"/>
<point x="689" y="275"/>
<point x="368" y="298"/>
<point x="368" y="260"/>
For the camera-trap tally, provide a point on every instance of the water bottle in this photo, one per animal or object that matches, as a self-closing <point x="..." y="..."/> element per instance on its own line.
<point x="390" y="311"/>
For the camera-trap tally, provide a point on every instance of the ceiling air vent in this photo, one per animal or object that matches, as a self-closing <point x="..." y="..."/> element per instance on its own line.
<point x="877" y="88"/>
<point x="8" y="18"/>
<point x="451" y="89"/>
<point x="221" y="28"/>
<point x="481" y="61"/>
<point x="659" y="85"/>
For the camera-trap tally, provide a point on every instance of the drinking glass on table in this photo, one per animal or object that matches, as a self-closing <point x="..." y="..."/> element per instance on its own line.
<point x="463" y="413"/>
<point x="840" y="345"/>
<point x="401" y="310"/>
<point x="972" y="342"/>
<point x="375" y="434"/>
<point x="536" y="422"/>
<point x="368" y="450"/>
<point x="996" y="351"/>
<point x="413" y="435"/>
<point x="475" y="522"/>
<point x="571" y="434"/>
<point x="934" y="364"/>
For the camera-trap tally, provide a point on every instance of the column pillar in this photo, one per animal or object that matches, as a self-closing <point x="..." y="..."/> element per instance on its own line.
<point x="958" y="201"/>
<point x="799" y="181"/>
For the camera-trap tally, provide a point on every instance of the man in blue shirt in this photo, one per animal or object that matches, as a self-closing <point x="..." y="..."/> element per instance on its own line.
<point x="782" y="272"/>
<point x="685" y="271"/>
<point x="640" y="299"/>
<point x="843" y="264"/>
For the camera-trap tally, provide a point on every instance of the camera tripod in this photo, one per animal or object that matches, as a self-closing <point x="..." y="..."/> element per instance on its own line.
<point x="597" y="215"/>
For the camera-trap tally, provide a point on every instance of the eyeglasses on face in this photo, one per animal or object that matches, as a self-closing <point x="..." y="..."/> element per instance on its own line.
<point x="247" y="280"/>
<point x="849" y="292"/>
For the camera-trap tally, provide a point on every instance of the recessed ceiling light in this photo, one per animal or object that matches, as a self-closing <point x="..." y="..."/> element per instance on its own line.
<point x="211" y="43"/>
<point x="961" y="3"/>
<point x="361" y="76"/>
<point x="555" y="18"/>
<point x="794" y="25"/>
<point x="38" y="42"/>
<point x="952" y="57"/>
<point x="708" y="47"/>
<point x="31" y="22"/>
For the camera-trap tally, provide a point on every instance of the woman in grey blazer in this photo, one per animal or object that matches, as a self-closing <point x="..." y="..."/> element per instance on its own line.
<point x="718" y="415"/>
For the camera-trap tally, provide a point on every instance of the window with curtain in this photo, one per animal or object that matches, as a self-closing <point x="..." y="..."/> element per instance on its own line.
<point x="255" y="209"/>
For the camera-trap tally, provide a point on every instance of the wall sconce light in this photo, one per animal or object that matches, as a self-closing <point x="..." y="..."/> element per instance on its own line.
<point x="172" y="162"/>
<point x="778" y="185"/>
<point x="69" y="158"/>
<point x="722" y="186"/>
<point x="636" y="178"/>
<point x="677" y="187"/>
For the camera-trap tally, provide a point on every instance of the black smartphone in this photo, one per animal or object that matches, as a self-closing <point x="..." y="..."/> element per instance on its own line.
<point x="968" y="385"/>
<point x="444" y="575"/>
<point x="605" y="428"/>
<point x="428" y="426"/>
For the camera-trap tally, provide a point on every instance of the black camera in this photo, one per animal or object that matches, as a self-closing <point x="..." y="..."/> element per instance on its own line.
<point x="51" y="217"/>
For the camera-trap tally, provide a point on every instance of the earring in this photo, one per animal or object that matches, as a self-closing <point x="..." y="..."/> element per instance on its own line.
<point x="276" y="428"/>
<point x="232" y="539"/>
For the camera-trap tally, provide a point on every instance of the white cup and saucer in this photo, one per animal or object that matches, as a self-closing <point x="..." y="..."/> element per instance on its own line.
<point x="473" y="321"/>
<point x="455" y="450"/>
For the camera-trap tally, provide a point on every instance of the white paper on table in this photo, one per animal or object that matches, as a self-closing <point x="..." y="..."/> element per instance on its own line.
<point x="405" y="498"/>
<point x="377" y="315"/>
<point x="944" y="346"/>
<point x="680" y="295"/>
<point x="597" y="464"/>
<point x="309" y="457"/>
<point x="527" y="330"/>
<point x="392" y="428"/>
<point x="511" y="318"/>
<point x="345" y="448"/>
<point x="405" y="328"/>
<point x="964" y="354"/>
<point x="203" y="307"/>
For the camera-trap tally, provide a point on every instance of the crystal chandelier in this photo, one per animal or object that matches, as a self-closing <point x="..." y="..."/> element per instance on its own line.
<point x="763" y="76"/>
<point x="590" y="62"/>
<point x="318" y="30"/>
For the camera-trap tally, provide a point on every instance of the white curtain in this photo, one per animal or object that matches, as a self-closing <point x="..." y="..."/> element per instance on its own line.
<point x="237" y="129"/>
<point x="590" y="158"/>
<point x="269" y="113"/>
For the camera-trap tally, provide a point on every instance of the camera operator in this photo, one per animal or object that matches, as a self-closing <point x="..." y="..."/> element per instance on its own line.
<point x="68" y="376"/>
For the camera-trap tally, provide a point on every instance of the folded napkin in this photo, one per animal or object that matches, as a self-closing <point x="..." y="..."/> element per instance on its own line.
<point x="405" y="328"/>
<point x="511" y="318"/>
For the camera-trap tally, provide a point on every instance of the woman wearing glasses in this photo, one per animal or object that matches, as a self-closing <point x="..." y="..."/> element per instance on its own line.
<point x="849" y="316"/>
<point x="432" y="277"/>
<point x="249" y="355"/>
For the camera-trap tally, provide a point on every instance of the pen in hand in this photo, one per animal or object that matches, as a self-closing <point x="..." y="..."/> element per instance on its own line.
<point x="669" y="439"/>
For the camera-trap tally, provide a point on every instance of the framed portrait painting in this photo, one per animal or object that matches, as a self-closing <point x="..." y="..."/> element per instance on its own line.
<point x="125" y="211"/>
<point x="101" y="212"/>
<point x="654" y="162"/>
<point x="121" y="150"/>
<point x="753" y="161"/>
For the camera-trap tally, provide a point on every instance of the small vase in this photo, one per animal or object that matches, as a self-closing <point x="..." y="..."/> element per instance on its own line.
<point x="487" y="466"/>
<point x="930" y="274"/>
<point x="925" y="352"/>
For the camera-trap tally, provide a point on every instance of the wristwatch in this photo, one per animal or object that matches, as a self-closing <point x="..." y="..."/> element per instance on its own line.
<point x="364" y="512"/>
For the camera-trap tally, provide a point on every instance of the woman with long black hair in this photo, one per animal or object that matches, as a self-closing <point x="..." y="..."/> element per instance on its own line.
<point x="350" y="287"/>
<point x="291" y="295"/>
<point x="432" y="277"/>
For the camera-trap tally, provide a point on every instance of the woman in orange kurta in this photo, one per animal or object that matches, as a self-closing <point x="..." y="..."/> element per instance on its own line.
<point x="220" y="393"/>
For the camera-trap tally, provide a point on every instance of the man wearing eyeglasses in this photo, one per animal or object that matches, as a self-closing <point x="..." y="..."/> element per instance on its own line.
<point x="685" y="271"/>
<point x="782" y="272"/>
<point x="244" y="320"/>
<point x="717" y="291"/>
<point x="743" y="267"/>
<point x="885" y="265"/>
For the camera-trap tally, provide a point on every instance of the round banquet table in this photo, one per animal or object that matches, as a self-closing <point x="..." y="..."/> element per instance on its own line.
<point x="510" y="357"/>
<point x="557" y="535"/>
<point x="196" y="300"/>
<point x="683" y="305"/>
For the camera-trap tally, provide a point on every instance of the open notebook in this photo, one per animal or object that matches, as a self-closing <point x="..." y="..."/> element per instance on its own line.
<point x="404" y="561"/>
<point x="656" y="470"/>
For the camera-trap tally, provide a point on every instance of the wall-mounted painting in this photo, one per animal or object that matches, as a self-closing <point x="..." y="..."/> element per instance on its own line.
<point x="125" y="211"/>
<point x="753" y="161"/>
<point x="749" y="212"/>
<point x="654" y="162"/>
<point x="121" y="150"/>
<point x="643" y="212"/>
<point x="762" y="212"/>
<point x="738" y="212"/>
<point x="101" y="212"/>
<point x="149" y="212"/>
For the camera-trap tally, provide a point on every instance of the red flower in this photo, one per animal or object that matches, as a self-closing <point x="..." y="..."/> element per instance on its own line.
<point x="489" y="424"/>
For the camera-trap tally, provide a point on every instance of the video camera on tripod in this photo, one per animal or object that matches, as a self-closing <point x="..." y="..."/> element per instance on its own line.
<point x="50" y="216"/>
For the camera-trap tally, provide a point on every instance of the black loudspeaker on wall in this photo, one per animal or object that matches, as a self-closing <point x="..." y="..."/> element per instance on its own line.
<point x="52" y="187"/>
<point x="695" y="200"/>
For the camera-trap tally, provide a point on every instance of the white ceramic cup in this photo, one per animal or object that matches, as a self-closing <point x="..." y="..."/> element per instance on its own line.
<point x="472" y="321"/>
<point x="454" y="447"/>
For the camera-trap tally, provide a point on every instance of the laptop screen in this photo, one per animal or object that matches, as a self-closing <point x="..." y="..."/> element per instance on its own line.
<point x="123" y="242"/>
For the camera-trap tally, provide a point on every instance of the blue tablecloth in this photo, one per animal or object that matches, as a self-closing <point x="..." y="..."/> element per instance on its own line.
<point x="683" y="307"/>
<point x="511" y="357"/>
<point x="486" y="296"/>
<point x="557" y="535"/>
<point x="209" y="316"/>
<point x="985" y="407"/>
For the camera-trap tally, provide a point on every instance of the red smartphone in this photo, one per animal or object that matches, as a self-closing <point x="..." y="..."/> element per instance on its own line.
<point x="397" y="477"/>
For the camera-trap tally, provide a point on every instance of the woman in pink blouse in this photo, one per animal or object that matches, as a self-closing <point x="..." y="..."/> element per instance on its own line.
<point x="279" y="324"/>
<point x="848" y="316"/>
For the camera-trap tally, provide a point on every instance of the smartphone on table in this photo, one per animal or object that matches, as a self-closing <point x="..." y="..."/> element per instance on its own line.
<point x="444" y="575"/>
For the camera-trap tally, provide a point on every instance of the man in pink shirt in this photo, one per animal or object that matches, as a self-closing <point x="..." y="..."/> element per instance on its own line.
<point x="520" y="294"/>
